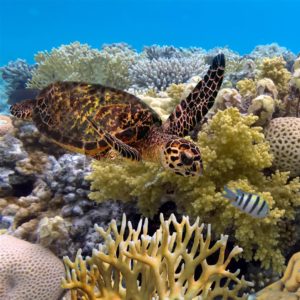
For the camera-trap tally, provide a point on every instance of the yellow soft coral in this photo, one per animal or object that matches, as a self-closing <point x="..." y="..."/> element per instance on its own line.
<point x="246" y="87"/>
<point x="274" y="68"/>
<point x="135" y="265"/>
<point x="234" y="153"/>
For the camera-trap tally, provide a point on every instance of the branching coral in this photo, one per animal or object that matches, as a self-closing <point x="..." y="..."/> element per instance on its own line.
<point x="234" y="153"/>
<point x="16" y="74"/>
<point x="76" y="62"/>
<point x="135" y="265"/>
<point x="160" y="73"/>
<point x="116" y="59"/>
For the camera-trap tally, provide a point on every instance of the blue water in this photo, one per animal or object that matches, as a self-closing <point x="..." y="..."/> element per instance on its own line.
<point x="28" y="26"/>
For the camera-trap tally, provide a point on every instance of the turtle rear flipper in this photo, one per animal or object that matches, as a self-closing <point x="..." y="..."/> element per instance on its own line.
<point x="122" y="148"/>
<point x="191" y="111"/>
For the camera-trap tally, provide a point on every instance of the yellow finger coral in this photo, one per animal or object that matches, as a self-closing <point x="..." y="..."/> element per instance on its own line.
<point x="171" y="264"/>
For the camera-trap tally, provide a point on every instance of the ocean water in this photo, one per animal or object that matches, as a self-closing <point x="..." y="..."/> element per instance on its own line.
<point x="180" y="111"/>
<point x="28" y="26"/>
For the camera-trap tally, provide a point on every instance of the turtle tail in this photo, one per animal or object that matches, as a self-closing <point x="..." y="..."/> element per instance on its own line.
<point x="23" y="110"/>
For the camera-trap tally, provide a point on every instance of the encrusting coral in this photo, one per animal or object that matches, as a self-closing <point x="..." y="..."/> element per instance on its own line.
<point x="28" y="271"/>
<point x="234" y="153"/>
<point x="135" y="265"/>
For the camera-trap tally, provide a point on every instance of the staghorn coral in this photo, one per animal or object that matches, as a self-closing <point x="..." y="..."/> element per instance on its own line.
<point x="28" y="271"/>
<point x="160" y="73"/>
<point x="235" y="153"/>
<point x="274" y="69"/>
<point x="284" y="139"/>
<point x="136" y="265"/>
<point x="288" y="287"/>
<point x="77" y="62"/>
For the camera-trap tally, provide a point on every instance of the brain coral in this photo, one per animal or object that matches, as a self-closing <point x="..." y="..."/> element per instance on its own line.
<point x="283" y="135"/>
<point x="28" y="271"/>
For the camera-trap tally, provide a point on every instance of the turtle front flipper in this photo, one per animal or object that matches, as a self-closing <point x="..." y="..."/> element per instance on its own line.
<point x="116" y="144"/>
<point x="23" y="110"/>
<point x="191" y="110"/>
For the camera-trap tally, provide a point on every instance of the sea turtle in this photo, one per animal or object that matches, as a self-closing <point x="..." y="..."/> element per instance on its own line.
<point x="95" y="120"/>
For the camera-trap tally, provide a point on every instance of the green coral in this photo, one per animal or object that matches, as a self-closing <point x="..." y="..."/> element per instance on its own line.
<point x="79" y="62"/>
<point x="274" y="68"/>
<point x="234" y="153"/>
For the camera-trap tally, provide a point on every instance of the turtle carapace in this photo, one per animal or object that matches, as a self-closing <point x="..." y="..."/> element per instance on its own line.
<point x="93" y="119"/>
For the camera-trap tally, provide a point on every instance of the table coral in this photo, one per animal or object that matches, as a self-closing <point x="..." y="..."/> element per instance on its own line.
<point x="135" y="265"/>
<point x="28" y="271"/>
<point x="234" y="153"/>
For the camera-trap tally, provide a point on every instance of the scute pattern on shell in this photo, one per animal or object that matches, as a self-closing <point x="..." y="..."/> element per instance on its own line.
<point x="283" y="135"/>
<point x="63" y="108"/>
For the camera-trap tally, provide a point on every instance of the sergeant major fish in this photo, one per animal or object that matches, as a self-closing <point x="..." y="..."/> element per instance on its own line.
<point x="251" y="204"/>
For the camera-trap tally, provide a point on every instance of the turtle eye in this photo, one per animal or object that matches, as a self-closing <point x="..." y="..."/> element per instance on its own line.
<point x="182" y="157"/>
<point x="186" y="159"/>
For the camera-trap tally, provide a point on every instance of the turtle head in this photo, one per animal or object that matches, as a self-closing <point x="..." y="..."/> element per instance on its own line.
<point x="23" y="110"/>
<point x="182" y="157"/>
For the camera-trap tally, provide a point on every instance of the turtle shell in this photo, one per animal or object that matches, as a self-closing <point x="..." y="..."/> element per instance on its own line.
<point x="62" y="109"/>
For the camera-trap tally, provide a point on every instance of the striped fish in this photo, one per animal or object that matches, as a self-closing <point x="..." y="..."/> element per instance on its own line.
<point x="253" y="205"/>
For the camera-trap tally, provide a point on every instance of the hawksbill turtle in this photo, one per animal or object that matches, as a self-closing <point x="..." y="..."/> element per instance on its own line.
<point x="93" y="119"/>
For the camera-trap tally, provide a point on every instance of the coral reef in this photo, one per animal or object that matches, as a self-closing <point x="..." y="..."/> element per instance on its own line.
<point x="273" y="50"/>
<point x="116" y="60"/>
<point x="43" y="195"/>
<point x="226" y="98"/>
<point x="234" y="153"/>
<point x="137" y="265"/>
<point x="77" y="62"/>
<point x="283" y="136"/>
<point x="15" y="75"/>
<point x="28" y="271"/>
<point x="159" y="73"/>
<point x="287" y="288"/>
<point x="274" y="69"/>
<point x="262" y="106"/>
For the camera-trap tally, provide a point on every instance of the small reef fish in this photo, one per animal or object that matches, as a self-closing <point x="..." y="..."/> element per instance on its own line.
<point x="253" y="205"/>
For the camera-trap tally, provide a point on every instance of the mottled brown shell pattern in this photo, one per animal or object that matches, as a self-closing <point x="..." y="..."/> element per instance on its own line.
<point x="62" y="109"/>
